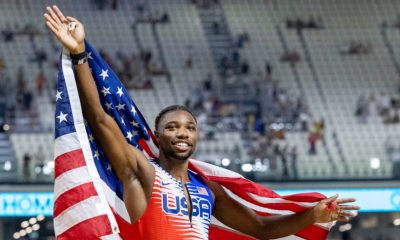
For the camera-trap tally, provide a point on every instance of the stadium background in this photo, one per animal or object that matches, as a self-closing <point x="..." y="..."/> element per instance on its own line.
<point x="299" y="95"/>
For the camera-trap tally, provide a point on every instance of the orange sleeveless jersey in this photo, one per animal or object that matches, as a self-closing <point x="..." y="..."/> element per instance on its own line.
<point x="167" y="215"/>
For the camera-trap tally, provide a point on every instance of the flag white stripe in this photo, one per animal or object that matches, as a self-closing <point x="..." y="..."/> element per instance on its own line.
<point x="146" y="155"/>
<point x="265" y="200"/>
<point x="82" y="135"/>
<point x="70" y="179"/>
<point x="217" y="223"/>
<point x="66" y="143"/>
<point x="212" y="170"/>
<point x="291" y="237"/>
<point x="86" y="209"/>
<point x="269" y="210"/>
<point x="114" y="236"/>
<point x="115" y="202"/>
<point x="153" y="148"/>
<point x="256" y="207"/>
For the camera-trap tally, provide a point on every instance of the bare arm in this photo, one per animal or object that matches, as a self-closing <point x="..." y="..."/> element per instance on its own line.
<point x="124" y="158"/>
<point x="245" y="220"/>
<point x="130" y="165"/>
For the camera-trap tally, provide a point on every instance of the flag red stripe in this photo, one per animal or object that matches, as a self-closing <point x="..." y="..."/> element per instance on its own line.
<point x="242" y="187"/>
<point x="313" y="232"/>
<point x="73" y="196"/>
<point x="285" y="206"/>
<point x="153" y="138"/>
<point x="92" y="228"/>
<point x="310" y="233"/>
<point x="68" y="161"/>
<point x="246" y="186"/>
<point x="146" y="148"/>
<point x="218" y="233"/>
<point x="126" y="229"/>
<point x="251" y="187"/>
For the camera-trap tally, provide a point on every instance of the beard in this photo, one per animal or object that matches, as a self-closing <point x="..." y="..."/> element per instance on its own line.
<point x="181" y="156"/>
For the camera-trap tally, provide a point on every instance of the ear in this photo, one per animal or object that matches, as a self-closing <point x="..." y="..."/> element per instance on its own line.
<point x="156" y="134"/>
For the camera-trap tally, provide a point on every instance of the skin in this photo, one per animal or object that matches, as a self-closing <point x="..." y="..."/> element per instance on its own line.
<point x="177" y="136"/>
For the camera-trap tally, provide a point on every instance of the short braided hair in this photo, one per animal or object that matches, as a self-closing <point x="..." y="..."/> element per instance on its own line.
<point x="172" y="108"/>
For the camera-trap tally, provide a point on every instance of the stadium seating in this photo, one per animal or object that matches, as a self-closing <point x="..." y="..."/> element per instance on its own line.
<point x="329" y="81"/>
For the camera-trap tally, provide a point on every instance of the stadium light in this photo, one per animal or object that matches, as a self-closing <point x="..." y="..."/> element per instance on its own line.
<point x="6" y="127"/>
<point x="16" y="235"/>
<point x="36" y="227"/>
<point x="375" y="163"/>
<point x="349" y="226"/>
<point x="259" y="166"/>
<point x="38" y="169"/>
<point x="226" y="162"/>
<point x="28" y="230"/>
<point x="7" y="166"/>
<point x="24" y="224"/>
<point x="48" y="168"/>
<point x="396" y="222"/>
<point x="247" y="167"/>
<point x="40" y="217"/>
<point x="32" y="221"/>
<point x="22" y="232"/>
<point x="50" y="164"/>
<point x="345" y="227"/>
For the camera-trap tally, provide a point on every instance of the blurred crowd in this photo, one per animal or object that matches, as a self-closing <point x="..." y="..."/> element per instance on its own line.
<point x="265" y="115"/>
<point x="382" y="104"/>
<point x="135" y="70"/>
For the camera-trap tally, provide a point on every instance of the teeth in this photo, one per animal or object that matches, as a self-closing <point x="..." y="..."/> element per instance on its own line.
<point x="182" y="144"/>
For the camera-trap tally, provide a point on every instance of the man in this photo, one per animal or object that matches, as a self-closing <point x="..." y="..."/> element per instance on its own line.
<point x="165" y="200"/>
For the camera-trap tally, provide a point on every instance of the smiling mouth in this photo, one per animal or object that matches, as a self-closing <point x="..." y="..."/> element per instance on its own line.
<point x="182" y="146"/>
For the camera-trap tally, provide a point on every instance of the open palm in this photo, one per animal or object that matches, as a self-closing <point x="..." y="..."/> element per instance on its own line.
<point x="333" y="209"/>
<point x="68" y="30"/>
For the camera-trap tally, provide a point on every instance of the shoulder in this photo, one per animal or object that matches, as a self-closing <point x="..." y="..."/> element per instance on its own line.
<point x="217" y="190"/>
<point x="138" y="158"/>
<point x="139" y="166"/>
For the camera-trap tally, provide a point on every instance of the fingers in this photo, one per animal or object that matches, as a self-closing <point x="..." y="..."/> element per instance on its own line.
<point x="346" y="200"/>
<point x="343" y="219"/>
<point x="59" y="13"/>
<point x="332" y="199"/>
<point x="345" y="207"/>
<point x="330" y="203"/>
<point x="53" y="15"/>
<point x="51" y="23"/>
<point x="342" y="213"/>
<point x="347" y="214"/>
<point x="52" y="28"/>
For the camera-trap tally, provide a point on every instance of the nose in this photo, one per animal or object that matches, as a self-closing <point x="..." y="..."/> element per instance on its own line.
<point x="182" y="133"/>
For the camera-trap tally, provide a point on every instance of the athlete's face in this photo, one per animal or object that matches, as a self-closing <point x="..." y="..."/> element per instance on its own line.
<point x="177" y="135"/>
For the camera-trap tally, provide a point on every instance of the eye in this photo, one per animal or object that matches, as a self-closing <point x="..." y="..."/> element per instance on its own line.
<point x="192" y="128"/>
<point x="170" y="127"/>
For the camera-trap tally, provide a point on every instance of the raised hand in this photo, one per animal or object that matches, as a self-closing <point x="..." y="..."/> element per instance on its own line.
<point x="68" y="30"/>
<point x="333" y="209"/>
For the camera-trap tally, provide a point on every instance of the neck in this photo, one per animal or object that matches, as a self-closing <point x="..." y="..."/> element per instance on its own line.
<point x="177" y="168"/>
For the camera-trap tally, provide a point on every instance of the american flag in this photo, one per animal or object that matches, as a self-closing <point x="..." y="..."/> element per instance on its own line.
<point x="88" y="195"/>
<point x="202" y="191"/>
